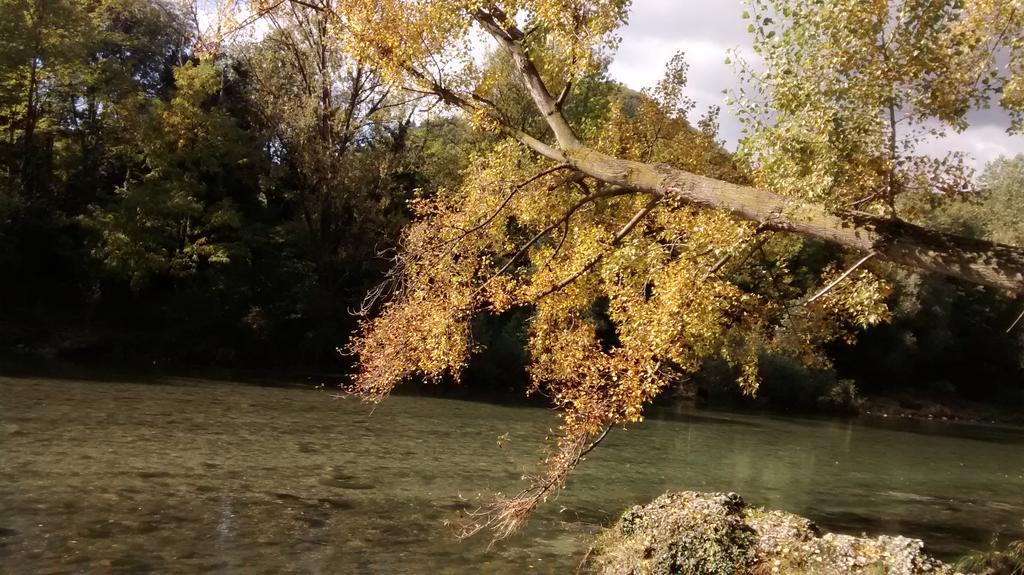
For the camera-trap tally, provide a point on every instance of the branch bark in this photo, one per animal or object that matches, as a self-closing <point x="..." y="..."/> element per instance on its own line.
<point x="982" y="262"/>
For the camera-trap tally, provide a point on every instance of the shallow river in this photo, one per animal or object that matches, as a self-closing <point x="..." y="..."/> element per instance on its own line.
<point x="190" y="476"/>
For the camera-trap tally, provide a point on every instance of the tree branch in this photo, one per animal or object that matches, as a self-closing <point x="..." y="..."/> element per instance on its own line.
<point x="510" y="39"/>
<point x="622" y="233"/>
<point x="610" y="192"/>
<point x="839" y="279"/>
<point x="560" y="101"/>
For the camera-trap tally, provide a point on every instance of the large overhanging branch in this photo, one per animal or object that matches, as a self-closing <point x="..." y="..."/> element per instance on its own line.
<point x="982" y="262"/>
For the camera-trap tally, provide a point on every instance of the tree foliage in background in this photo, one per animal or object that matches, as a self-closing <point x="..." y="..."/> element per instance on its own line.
<point x="175" y="213"/>
<point x="218" y="208"/>
<point x="952" y="337"/>
<point x="337" y="128"/>
<point x="847" y="90"/>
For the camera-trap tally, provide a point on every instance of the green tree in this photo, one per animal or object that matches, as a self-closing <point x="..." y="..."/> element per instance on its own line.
<point x="177" y="211"/>
<point x="949" y="336"/>
<point x="847" y="91"/>
<point x="65" y="68"/>
<point x="338" y="132"/>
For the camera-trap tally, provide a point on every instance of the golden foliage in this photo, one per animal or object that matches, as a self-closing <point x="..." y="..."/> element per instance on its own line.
<point x="613" y="322"/>
<point x="629" y="293"/>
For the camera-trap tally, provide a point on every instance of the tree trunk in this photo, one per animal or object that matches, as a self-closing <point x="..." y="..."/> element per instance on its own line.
<point x="977" y="261"/>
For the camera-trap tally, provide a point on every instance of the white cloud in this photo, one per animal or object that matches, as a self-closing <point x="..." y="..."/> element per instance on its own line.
<point x="982" y="144"/>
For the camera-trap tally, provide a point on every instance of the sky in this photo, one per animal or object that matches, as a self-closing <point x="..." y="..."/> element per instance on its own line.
<point x="706" y="29"/>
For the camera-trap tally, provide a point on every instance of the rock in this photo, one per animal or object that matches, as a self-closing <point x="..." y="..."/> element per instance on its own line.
<point x="691" y="533"/>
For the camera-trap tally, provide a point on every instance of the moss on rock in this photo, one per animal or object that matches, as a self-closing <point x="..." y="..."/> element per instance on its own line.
<point x="690" y="533"/>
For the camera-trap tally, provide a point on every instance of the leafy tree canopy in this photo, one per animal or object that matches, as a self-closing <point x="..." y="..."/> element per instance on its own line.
<point x="639" y="247"/>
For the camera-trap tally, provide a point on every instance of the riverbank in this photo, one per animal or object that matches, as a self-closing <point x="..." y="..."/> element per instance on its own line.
<point x="511" y="390"/>
<point x="921" y="406"/>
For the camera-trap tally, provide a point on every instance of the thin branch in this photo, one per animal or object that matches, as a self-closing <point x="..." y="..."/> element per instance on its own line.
<point x="509" y="37"/>
<point x="515" y="190"/>
<point x="307" y="5"/>
<point x="595" y="443"/>
<point x="839" y="279"/>
<point x="718" y="265"/>
<point x="560" y="100"/>
<point x="501" y="207"/>
<point x="866" y="198"/>
<point x="1015" y="322"/>
<point x="506" y="515"/>
<point x="636" y="220"/>
<point x="467" y="104"/>
<point x="759" y="244"/>
<point x="615" y="241"/>
<point x="558" y="247"/>
<point x="610" y="192"/>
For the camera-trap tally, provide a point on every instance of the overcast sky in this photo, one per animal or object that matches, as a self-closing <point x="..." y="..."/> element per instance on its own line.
<point x="705" y="30"/>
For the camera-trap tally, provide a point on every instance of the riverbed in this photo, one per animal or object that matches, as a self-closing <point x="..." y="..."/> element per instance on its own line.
<point x="178" y="475"/>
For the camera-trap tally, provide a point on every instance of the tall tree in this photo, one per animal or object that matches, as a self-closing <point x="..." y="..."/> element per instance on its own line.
<point x="178" y="210"/>
<point x="338" y="125"/>
<point x="67" y="72"/>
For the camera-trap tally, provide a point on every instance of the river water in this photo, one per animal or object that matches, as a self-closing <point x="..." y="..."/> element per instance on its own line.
<point x="196" y="476"/>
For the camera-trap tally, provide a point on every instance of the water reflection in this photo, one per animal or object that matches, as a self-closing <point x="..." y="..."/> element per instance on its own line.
<point x="197" y="476"/>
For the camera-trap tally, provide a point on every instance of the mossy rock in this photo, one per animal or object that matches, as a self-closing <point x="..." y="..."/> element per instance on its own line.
<point x="690" y="533"/>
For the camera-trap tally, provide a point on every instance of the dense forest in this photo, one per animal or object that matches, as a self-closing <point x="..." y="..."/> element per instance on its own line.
<point x="164" y="201"/>
<point x="228" y="211"/>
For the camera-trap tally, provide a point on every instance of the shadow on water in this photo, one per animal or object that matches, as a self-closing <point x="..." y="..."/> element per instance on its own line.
<point x="964" y="538"/>
<point x="1004" y="434"/>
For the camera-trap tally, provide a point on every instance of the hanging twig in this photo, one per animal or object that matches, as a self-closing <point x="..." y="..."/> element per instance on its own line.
<point x="558" y="247"/>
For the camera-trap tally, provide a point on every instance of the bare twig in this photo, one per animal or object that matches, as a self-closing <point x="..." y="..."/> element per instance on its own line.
<point x="507" y="514"/>
<point x="560" y="101"/>
<point x="607" y="193"/>
<point x="839" y="279"/>
<point x="615" y="241"/>
<point x="866" y="198"/>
